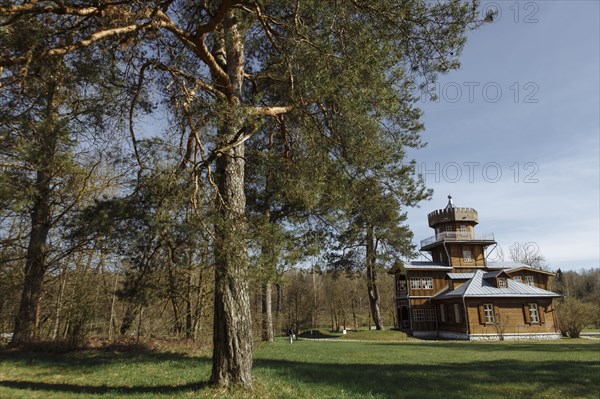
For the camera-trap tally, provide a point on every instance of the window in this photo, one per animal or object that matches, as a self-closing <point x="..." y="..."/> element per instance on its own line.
<point x="529" y="280"/>
<point x="457" y="313"/>
<point x="442" y="312"/>
<point x="463" y="230"/>
<point x="534" y="314"/>
<point x="423" y="315"/>
<point x="421" y="283"/>
<point x="448" y="228"/>
<point x="488" y="311"/>
<point x="402" y="285"/>
<point x="466" y="255"/>
<point x="517" y="279"/>
<point x="502" y="283"/>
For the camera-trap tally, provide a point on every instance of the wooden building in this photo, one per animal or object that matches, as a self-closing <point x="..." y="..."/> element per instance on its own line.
<point x="459" y="294"/>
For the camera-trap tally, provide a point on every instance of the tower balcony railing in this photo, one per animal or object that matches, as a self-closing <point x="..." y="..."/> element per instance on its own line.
<point x="457" y="236"/>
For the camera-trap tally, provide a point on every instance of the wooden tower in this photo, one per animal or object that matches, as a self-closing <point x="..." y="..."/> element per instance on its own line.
<point x="456" y="243"/>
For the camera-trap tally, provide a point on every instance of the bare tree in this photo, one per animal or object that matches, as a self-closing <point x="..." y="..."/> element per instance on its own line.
<point x="529" y="254"/>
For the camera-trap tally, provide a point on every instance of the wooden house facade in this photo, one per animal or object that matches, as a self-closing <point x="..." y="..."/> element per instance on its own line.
<point x="459" y="294"/>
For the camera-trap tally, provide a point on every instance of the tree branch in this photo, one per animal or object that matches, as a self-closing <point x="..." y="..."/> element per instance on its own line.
<point x="96" y="37"/>
<point x="271" y="111"/>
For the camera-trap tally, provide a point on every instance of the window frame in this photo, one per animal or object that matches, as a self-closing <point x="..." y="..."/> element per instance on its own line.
<point x="443" y="318"/>
<point x="534" y="313"/>
<point x="502" y="282"/>
<point x="488" y="313"/>
<point x="466" y="258"/>
<point x="518" y="279"/>
<point x="402" y="286"/>
<point x="421" y="283"/>
<point x="529" y="280"/>
<point x="463" y="230"/>
<point x="423" y="315"/>
<point x="457" y="313"/>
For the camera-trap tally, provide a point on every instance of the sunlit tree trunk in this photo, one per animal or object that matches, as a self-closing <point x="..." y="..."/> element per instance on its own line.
<point x="267" y="318"/>
<point x="232" y="333"/>
<point x="372" y="287"/>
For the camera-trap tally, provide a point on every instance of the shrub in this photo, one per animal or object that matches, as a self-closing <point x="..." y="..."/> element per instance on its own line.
<point x="573" y="315"/>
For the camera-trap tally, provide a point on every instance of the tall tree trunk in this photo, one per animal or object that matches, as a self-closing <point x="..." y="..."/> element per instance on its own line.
<point x="372" y="287"/>
<point x="199" y="304"/>
<point x="188" y="305"/>
<point x="278" y="299"/>
<point x="268" y="257"/>
<point x="59" y="304"/>
<point x="111" y="323"/>
<point x="278" y="310"/>
<point x="267" y="315"/>
<point x="269" y="270"/>
<point x="354" y="318"/>
<point x="232" y="335"/>
<point x="35" y="262"/>
<point x="232" y="332"/>
<point x="315" y="314"/>
<point x="177" y="325"/>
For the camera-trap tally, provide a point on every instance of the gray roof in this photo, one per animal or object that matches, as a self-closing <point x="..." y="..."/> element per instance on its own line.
<point x="418" y="265"/>
<point x="532" y="269"/>
<point x="460" y="276"/>
<point x="478" y="286"/>
<point x="493" y="274"/>
<point x="505" y="265"/>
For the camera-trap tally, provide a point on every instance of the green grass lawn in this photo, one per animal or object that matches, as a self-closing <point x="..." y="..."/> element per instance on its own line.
<point x="374" y="335"/>
<point x="320" y="369"/>
<point x="591" y="329"/>
<point x="362" y="335"/>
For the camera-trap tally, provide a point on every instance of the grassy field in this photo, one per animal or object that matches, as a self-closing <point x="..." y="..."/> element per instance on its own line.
<point x="319" y="369"/>
<point x="362" y="335"/>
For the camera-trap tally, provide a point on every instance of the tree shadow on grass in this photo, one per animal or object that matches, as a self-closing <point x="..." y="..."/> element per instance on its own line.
<point x="96" y="361"/>
<point x="93" y="358"/>
<point x="522" y="378"/>
<point x="317" y="334"/>
<point x="103" y="389"/>
<point x="558" y="346"/>
<point x="479" y="379"/>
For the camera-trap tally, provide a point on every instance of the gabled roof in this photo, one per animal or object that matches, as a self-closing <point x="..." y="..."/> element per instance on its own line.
<point x="479" y="287"/>
<point x="495" y="274"/>
<point x="511" y="267"/>
<point x="532" y="269"/>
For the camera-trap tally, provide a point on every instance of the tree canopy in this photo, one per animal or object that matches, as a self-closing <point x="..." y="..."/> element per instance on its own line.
<point x="335" y="79"/>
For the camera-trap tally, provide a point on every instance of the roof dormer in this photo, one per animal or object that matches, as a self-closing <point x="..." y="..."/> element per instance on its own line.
<point x="498" y="279"/>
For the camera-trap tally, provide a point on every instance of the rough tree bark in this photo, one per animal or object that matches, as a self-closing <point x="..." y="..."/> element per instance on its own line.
<point x="232" y="334"/>
<point x="372" y="286"/>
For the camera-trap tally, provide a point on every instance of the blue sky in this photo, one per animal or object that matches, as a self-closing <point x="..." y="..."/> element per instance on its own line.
<point x="515" y="133"/>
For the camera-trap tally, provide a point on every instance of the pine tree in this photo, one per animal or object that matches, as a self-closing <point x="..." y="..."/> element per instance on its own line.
<point x="337" y="73"/>
<point x="49" y="114"/>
